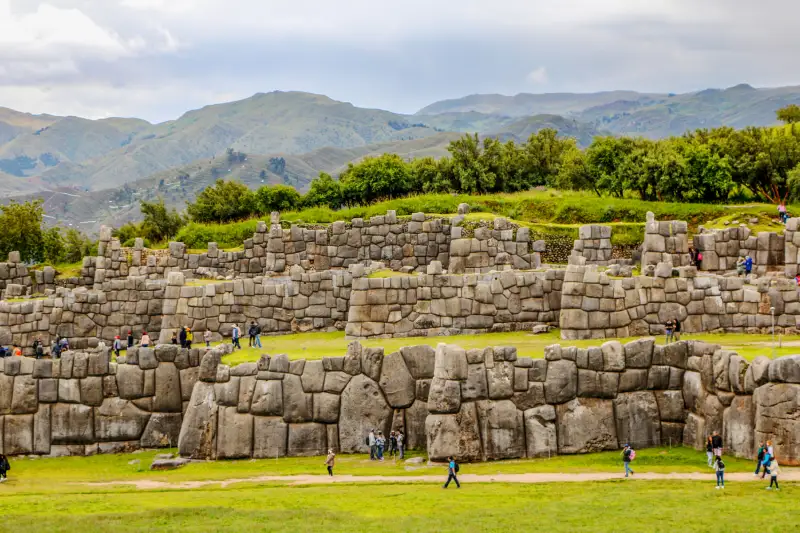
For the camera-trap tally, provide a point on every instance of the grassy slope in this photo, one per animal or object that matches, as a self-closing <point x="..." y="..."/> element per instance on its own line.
<point x="47" y="495"/>
<point x="318" y="345"/>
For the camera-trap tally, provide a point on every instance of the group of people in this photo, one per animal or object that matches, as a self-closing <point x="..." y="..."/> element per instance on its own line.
<point x="765" y="459"/>
<point x="744" y="265"/>
<point x="61" y="344"/>
<point x="695" y="257"/>
<point x="672" y="329"/>
<point x="377" y="444"/>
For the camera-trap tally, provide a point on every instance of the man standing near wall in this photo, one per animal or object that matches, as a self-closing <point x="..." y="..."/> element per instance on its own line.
<point x="371" y="442"/>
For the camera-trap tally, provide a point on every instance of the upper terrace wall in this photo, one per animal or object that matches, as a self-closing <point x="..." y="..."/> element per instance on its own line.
<point x="722" y="248"/>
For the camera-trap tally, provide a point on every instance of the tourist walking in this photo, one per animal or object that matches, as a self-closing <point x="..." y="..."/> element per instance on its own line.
<point x="235" y="336"/>
<point x="668" y="328"/>
<point x="189" y="337"/>
<point x="628" y="455"/>
<point x="130" y="339"/>
<point x="768" y="456"/>
<point x="38" y="348"/>
<point x="117" y="345"/>
<point x="710" y="451"/>
<point x="330" y="461"/>
<point x="371" y="442"/>
<point x="452" y="470"/>
<point x="4" y="467"/>
<point x="773" y="474"/>
<point x="782" y="212"/>
<point x="207" y="337"/>
<point x="762" y="450"/>
<point x="716" y="443"/>
<point x="719" y="468"/>
<point x="182" y="337"/>
<point x="676" y="330"/>
<point x="258" y="336"/>
<point x="145" y="342"/>
<point x="401" y="444"/>
<point x="251" y="334"/>
<point x="392" y="444"/>
<point x="380" y="444"/>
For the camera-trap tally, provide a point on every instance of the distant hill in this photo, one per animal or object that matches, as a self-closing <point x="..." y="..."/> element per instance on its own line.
<point x="520" y="130"/>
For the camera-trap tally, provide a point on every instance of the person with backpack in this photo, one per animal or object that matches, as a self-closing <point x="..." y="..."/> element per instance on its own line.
<point x="762" y="450"/>
<point x="719" y="468"/>
<point x="452" y="470"/>
<point x="4" y="467"/>
<point x="251" y="334"/>
<point x="628" y="455"/>
<point x="371" y="442"/>
<point x="773" y="474"/>
<point x="182" y="337"/>
<point x="767" y="460"/>
<point x="330" y="461"/>
<point x="38" y="348"/>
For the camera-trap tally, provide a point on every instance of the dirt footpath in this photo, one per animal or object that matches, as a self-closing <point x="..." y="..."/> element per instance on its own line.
<point x="145" y="484"/>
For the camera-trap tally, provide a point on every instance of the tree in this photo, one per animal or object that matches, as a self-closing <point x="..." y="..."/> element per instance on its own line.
<point x="324" y="190"/>
<point x="77" y="246"/>
<point x="159" y="222"/>
<point x="575" y="172"/>
<point x="789" y="114"/>
<point x="277" y="198"/>
<point x="223" y="202"/>
<point x="386" y="176"/>
<point x="21" y="225"/>
<point x="468" y="167"/>
<point x="53" y="249"/>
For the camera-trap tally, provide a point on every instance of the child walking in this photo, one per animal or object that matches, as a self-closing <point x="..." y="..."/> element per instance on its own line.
<point x="330" y="461"/>
<point x="719" y="468"/>
<point x="773" y="474"/>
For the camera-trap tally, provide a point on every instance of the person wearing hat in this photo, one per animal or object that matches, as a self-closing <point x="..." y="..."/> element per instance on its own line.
<point x="117" y="345"/>
<point x="329" y="461"/>
<point x="189" y="337"/>
<point x="627" y="456"/>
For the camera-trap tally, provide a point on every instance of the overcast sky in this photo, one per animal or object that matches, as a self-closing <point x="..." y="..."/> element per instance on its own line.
<point x="156" y="59"/>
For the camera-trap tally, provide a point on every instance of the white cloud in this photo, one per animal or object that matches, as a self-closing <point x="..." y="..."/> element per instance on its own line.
<point x="538" y="76"/>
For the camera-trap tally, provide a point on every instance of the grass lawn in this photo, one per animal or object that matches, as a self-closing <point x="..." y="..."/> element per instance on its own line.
<point x="317" y="345"/>
<point x="47" y="495"/>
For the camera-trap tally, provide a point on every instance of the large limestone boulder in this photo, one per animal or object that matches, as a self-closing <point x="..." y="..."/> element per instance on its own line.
<point x="694" y="433"/>
<point x="671" y="406"/>
<point x="757" y="374"/>
<point x="198" y="435"/>
<point x="586" y="425"/>
<point x="397" y="382"/>
<point x="326" y="408"/>
<point x="444" y="396"/>
<point x="25" y="396"/>
<point x="593" y="384"/>
<point x="420" y="360"/>
<point x="540" y="431"/>
<point x="712" y="412"/>
<point x="130" y="382"/>
<point x="613" y="356"/>
<point x="234" y="434"/>
<point x="450" y="362"/>
<point x="415" y="417"/>
<point x="363" y="408"/>
<point x="267" y="398"/>
<point x="639" y="353"/>
<point x="454" y="435"/>
<point x="500" y="378"/>
<point x="162" y="429"/>
<point x="371" y="361"/>
<point x="637" y="419"/>
<point x="502" y="430"/>
<point x="783" y="369"/>
<point x="269" y="437"/>
<point x="18" y="430"/>
<point x="313" y="377"/>
<point x="307" y="440"/>
<point x="119" y="420"/>
<point x="475" y="388"/>
<point x="168" y="389"/>
<point x="738" y="427"/>
<point x="296" y="403"/>
<point x="721" y="361"/>
<point x="562" y="381"/>
<point x="72" y="424"/>
<point x="694" y="394"/>
<point x="778" y="419"/>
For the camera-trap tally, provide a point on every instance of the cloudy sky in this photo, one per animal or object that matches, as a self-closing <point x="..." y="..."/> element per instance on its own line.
<point x="156" y="59"/>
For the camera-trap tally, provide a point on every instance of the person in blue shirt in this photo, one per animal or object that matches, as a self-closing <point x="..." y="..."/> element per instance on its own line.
<point x="452" y="470"/>
<point x="748" y="265"/>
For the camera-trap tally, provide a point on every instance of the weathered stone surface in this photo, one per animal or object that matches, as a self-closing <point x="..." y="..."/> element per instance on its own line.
<point x="694" y="433"/>
<point x="613" y="356"/>
<point x="307" y="440"/>
<point x="267" y="398"/>
<point x="562" y="381"/>
<point x="454" y="435"/>
<point x="335" y="382"/>
<point x="639" y="353"/>
<point x="92" y="390"/>
<point x="371" y="360"/>
<point x="313" y="377"/>
<point x="25" y="397"/>
<point x="118" y="419"/>
<point x="363" y="408"/>
<point x="676" y="354"/>
<point x="18" y="432"/>
<point x="502" y="430"/>
<point x="147" y="359"/>
<point x="199" y="430"/>
<point x="637" y="419"/>
<point x="396" y="381"/>
<point x="593" y="384"/>
<point x="72" y="424"/>
<point x="444" y="396"/>
<point x="41" y="430"/>
<point x="671" y="433"/>
<point x="326" y="408"/>
<point x="712" y="412"/>
<point x="234" y="434"/>
<point x="420" y="360"/>
<point x="500" y="379"/>
<point x="778" y="419"/>
<point x="721" y="361"/>
<point x="69" y="390"/>
<point x="163" y="429"/>
<point x="227" y="392"/>
<point x="670" y="406"/>
<point x="533" y="397"/>
<point x="296" y="403"/>
<point x="586" y="425"/>
<point x="168" y="389"/>
<point x="633" y="379"/>
<point x="270" y="436"/>
<point x="130" y="382"/>
<point x="475" y="388"/>
<point x="738" y="427"/>
<point x="450" y="362"/>
<point x="208" y="366"/>
<point x="783" y="369"/>
<point x="540" y="431"/>
<point x="757" y="373"/>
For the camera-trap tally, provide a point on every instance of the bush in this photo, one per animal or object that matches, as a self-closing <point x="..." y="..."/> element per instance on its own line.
<point x="197" y="236"/>
<point x="277" y="198"/>
<point x="225" y="201"/>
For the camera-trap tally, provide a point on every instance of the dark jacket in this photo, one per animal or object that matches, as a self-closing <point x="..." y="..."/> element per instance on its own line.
<point x="716" y="441"/>
<point x="182" y="337"/>
<point x="4" y="466"/>
<point x="253" y="331"/>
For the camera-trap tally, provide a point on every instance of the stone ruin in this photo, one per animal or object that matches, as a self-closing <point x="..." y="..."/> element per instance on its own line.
<point x="477" y="405"/>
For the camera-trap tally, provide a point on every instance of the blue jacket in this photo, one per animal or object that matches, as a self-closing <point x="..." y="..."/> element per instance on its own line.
<point x="748" y="263"/>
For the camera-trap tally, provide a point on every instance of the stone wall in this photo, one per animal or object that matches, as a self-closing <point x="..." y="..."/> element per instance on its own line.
<point x="83" y="404"/>
<point x="438" y="304"/>
<point x="665" y="242"/>
<point x="14" y="272"/>
<point x="594" y="305"/>
<point x="722" y="248"/>
<point x="489" y="404"/>
<point x="593" y="244"/>
<point x="502" y="247"/>
<point x="791" y="240"/>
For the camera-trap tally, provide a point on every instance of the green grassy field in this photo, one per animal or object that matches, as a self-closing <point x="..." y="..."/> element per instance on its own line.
<point x="52" y="495"/>
<point x="318" y="345"/>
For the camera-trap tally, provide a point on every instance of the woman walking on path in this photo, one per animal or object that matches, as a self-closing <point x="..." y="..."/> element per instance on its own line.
<point x="773" y="474"/>
<point x="719" y="468"/>
<point x="627" y="456"/>
<point x="710" y="452"/>
<point x="330" y="461"/>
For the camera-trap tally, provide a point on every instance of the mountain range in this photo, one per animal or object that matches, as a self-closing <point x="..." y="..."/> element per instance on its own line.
<point x="95" y="171"/>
